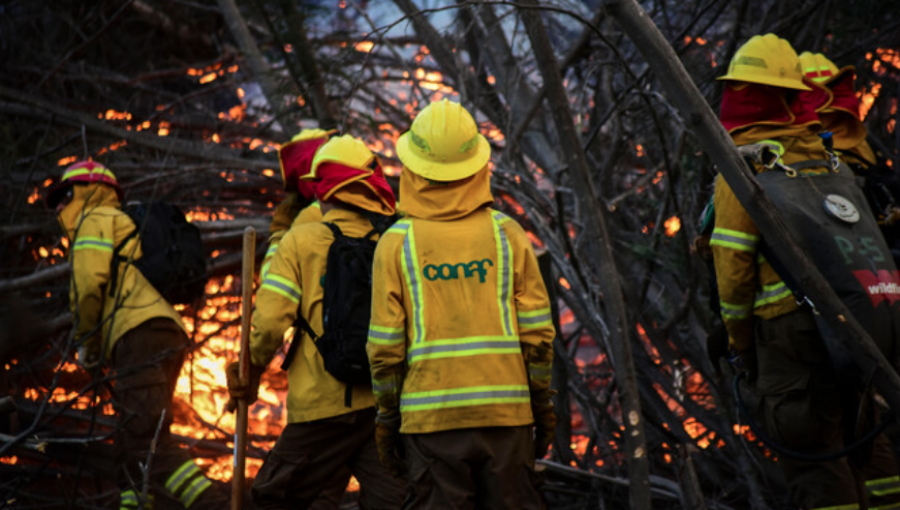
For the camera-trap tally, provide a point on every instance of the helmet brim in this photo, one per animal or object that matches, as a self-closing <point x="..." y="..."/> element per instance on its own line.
<point x="443" y="172"/>
<point x="785" y="83"/>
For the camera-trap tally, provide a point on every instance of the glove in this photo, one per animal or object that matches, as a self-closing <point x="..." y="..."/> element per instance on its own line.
<point x="744" y="361"/>
<point x="88" y="356"/>
<point x="544" y="424"/>
<point x="285" y="213"/>
<point x="390" y="443"/>
<point x="237" y="391"/>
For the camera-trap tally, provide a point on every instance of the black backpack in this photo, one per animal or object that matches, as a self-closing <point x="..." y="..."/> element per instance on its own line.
<point x="173" y="259"/>
<point x="346" y="309"/>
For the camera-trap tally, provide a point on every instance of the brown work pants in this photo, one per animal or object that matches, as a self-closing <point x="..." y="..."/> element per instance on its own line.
<point x="146" y="362"/>
<point x="309" y="456"/>
<point x="803" y="408"/>
<point x="489" y="468"/>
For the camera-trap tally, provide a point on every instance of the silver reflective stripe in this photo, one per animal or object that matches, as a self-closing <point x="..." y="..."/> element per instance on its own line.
<point x="461" y="348"/>
<point x="533" y="320"/>
<point x="461" y="397"/>
<point x="883" y="486"/>
<point x="386" y="336"/>
<point x="398" y="228"/>
<point x="101" y="244"/>
<point x="387" y="387"/>
<point x="195" y="489"/>
<point x="184" y="472"/>
<point x="504" y="274"/>
<point x="278" y="285"/>
<point x="413" y="278"/>
<point x="718" y="236"/>
<point x="539" y="371"/>
<point x="772" y="294"/>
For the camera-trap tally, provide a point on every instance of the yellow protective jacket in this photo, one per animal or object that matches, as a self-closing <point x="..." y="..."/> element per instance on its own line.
<point x="459" y="310"/>
<point x="295" y="278"/>
<point x="748" y="285"/>
<point x="309" y="214"/>
<point x="95" y="226"/>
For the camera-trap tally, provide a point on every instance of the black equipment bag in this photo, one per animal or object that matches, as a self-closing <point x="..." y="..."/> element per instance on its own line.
<point x="173" y="259"/>
<point x="346" y="309"/>
<point x="828" y="215"/>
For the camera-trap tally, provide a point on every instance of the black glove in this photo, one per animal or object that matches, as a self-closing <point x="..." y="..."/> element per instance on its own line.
<point x="389" y="442"/>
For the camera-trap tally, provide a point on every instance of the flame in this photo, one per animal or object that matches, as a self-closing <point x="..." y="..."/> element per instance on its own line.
<point x="208" y="78"/>
<point x="67" y="160"/>
<point x="34" y="196"/>
<point x="11" y="460"/>
<point x="163" y="128"/>
<point x="364" y="46"/>
<point x="672" y="225"/>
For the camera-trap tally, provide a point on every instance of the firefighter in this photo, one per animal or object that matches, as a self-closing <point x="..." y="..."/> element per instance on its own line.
<point x="136" y="331"/>
<point x="841" y="117"/>
<point x="330" y="426"/>
<point x="299" y="206"/>
<point x="460" y="341"/>
<point x="766" y="100"/>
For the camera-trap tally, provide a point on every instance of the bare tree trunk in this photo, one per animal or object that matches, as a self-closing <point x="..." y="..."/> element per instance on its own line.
<point x="309" y="68"/>
<point x="602" y="259"/>
<point x="259" y="68"/>
<point x="699" y="116"/>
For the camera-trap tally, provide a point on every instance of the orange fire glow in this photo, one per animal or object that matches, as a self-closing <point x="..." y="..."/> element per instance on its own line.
<point x="672" y="225"/>
<point x="68" y="160"/>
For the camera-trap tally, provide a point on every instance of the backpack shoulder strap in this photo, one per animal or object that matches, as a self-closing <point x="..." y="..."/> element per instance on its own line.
<point x="336" y="230"/>
<point x="303" y="325"/>
<point x="117" y="258"/>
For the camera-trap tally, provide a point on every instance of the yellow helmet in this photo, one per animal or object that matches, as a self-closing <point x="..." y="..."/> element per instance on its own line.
<point x="443" y="143"/>
<point x="313" y="134"/>
<point x="345" y="150"/>
<point x="768" y="60"/>
<point x="818" y="68"/>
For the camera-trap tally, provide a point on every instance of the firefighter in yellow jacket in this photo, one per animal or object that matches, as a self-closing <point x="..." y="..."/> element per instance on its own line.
<point x="329" y="426"/>
<point x="766" y="100"/>
<point x="300" y="206"/>
<point x="135" y="330"/>
<point x="460" y="341"/>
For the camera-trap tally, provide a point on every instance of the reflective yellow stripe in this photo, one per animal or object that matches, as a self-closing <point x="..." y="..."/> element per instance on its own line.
<point x="534" y="319"/>
<point x="460" y="347"/>
<point x="777" y="147"/>
<point x="540" y="372"/>
<point x="883" y="486"/>
<point x="267" y="260"/>
<point x="888" y="506"/>
<point x="93" y="243"/>
<point x="733" y="239"/>
<point x="413" y="284"/>
<point x="731" y="311"/>
<point x="316" y="204"/>
<point x="463" y="397"/>
<point x="181" y="475"/>
<point x="504" y="263"/>
<point x="384" y="386"/>
<point x="771" y="293"/>
<point x="194" y="490"/>
<point x="74" y="172"/>
<point x="381" y="335"/>
<point x="282" y="286"/>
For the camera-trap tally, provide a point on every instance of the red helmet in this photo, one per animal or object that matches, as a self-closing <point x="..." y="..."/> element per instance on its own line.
<point x="83" y="172"/>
